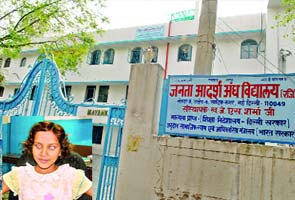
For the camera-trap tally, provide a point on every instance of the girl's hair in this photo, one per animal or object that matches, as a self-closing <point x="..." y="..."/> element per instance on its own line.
<point x="58" y="131"/>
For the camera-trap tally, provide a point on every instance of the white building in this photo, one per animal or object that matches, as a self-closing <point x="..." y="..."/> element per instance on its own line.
<point x="244" y="45"/>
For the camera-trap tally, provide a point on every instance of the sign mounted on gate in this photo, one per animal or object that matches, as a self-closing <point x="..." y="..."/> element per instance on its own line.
<point x="256" y="108"/>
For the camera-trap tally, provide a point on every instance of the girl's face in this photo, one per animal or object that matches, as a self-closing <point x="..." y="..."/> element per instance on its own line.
<point x="46" y="150"/>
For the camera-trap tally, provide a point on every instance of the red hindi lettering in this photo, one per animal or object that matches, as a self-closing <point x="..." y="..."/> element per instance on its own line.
<point x="231" y="90"/>
<point x="173" y="92"/>
<point x="185" y="90"/>
<point x="289" y="93"/>
<point x="269" y="111"/>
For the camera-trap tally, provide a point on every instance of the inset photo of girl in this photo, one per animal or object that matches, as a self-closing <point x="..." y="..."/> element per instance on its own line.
<point x="46" y="158"/>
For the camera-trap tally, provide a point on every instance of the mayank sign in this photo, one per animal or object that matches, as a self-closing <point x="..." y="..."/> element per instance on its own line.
<point x="258" y="108"/>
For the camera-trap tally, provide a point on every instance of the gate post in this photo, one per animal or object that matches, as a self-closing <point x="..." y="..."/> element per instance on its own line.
<point x="135" y="178"/>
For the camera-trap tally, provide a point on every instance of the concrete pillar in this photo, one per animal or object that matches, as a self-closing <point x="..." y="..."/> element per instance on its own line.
<point x="206" y="37"/>
<point x="135" y="177"/>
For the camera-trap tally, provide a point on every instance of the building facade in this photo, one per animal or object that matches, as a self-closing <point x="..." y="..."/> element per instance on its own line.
<point x="250" y="44"/>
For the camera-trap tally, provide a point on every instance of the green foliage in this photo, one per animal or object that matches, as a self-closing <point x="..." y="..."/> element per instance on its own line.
<point x="62" y="27"/>
<point x="2" y="78"/>
<point x="287" y="17"/>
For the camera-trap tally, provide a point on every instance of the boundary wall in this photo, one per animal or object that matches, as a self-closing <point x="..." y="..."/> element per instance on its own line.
<point x="179" y="168"/>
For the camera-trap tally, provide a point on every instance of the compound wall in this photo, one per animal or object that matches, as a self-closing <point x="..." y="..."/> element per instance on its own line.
<point x="172" y="168"/>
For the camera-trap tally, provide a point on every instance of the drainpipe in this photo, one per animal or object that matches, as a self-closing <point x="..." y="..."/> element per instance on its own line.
<point x="167" y="50"/>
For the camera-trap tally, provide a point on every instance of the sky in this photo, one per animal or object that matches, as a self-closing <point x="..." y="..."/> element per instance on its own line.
<point x="127" y="13"/>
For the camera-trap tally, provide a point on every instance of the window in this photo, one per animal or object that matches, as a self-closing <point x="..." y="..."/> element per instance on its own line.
<point x="135" y="56"/>
<point x="108" y="57"/>
<point x="67" y="91"/>
<point x="103" y="93"/>
<point x="1" y="62"/>
<point x="185" y="53"/>
<point x="97" y="132"/>
<point x="249" y="49"/>
<point x="95" y="57"/>
<point x="7" y="62"/>
<point x="23" y="62"/>
<point x="155" y="56"/>
<point x="1" y="91"/>
<point x="16" y="90"/>
<point x="90" y="92"/>
<point x="33" y="91"/>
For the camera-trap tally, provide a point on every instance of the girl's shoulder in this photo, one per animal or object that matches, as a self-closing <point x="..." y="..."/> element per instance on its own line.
<point x="66" y="168"/>
<point x="70" y="172"/>
<point x="63" y="171"/>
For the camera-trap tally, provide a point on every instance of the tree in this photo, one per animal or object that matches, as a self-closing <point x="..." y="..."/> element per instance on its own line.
<point x="65" y="28"/>
<point x="287" y="17"/>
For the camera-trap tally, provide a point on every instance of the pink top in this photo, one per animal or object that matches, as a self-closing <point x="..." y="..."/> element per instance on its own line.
<point x="65" y="183"/>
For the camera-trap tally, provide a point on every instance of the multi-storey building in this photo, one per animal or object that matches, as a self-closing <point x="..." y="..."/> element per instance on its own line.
<point x="249" y="44"/>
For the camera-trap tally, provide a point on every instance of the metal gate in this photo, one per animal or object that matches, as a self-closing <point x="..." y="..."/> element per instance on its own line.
<point x="111" y="154"/>
<point x="40" y="94"/>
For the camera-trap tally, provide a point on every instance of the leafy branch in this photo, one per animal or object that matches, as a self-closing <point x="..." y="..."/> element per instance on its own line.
<point x="287" y="17"/>
<point x="64" y="28"/>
